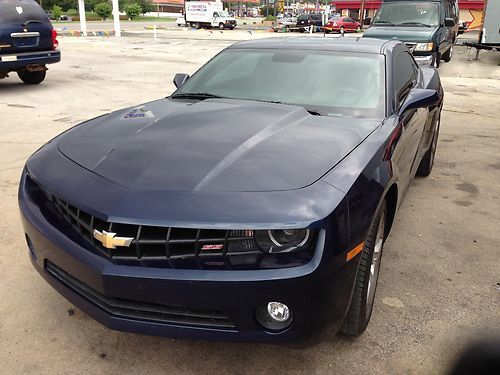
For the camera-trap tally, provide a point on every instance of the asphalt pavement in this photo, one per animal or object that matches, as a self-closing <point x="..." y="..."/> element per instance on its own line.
<point x="439" y="283"/>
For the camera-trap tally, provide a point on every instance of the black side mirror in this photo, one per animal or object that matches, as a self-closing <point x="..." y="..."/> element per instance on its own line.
<point x="419" y="98"/>
<point x="180" y="78"/>
<point x="449" y="22"/>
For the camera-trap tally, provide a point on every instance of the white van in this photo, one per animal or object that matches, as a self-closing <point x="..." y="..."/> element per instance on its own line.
<point x="208" y="14"/>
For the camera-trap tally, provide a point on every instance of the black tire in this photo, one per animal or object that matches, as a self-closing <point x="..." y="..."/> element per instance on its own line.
<point x="32" y="78"/>
<point x="221" y="26"/>
<point x="427" y="162"/>
<point x="448" y="54"/>
<point x="360" y="311"/>
<point x="197" y="25"/>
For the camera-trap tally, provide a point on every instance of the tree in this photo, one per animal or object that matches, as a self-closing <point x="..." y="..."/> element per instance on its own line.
<point x="146" y="5"/>
<point x="132" y="10"/>
<point x="56" y="12"/>
<point x="103" y="10"/>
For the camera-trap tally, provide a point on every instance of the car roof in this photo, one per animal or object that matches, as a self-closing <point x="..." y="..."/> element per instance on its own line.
<point x="362" y="45"/>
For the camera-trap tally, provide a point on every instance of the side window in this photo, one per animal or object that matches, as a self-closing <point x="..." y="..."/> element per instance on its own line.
<point x="215" y="15"/>
<point x="405" y="76"/>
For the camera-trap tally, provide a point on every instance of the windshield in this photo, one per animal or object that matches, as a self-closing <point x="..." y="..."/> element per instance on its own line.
<point x="408" y="14"/>
<point x="223" y="14"/>
<point x="329" y="84"/>
<point x="303" y="17"/>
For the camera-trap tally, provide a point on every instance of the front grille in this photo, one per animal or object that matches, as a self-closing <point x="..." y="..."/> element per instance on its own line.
<point x="167" y="247"/>
<point x="159" y="242"/>
<point x="142" y="311"/>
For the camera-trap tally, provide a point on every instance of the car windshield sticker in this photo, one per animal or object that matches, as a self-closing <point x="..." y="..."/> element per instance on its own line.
<point x="140" y="112"/>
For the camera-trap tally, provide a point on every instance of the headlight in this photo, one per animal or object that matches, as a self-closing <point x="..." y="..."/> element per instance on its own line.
<point x="424" y="47"/>
<point x="282" y="240"/>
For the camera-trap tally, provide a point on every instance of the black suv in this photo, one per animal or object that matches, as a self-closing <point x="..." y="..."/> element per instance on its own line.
<point x="306" y="20"/>
<point x="27" y="40"/>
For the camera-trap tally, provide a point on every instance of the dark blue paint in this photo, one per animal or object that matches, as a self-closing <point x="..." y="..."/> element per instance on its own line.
<point x="334" y="179"/>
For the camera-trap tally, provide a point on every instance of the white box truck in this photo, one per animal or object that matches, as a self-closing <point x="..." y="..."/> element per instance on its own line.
<point x="208" y="14"/>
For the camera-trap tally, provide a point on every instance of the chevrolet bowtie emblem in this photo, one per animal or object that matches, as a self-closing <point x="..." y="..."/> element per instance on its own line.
<point x="109" y="241"/>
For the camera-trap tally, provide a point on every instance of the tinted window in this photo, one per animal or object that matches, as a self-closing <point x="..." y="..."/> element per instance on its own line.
<point x="20" y="11"/>
<point x="303" y="17"/>
<point x="405" y="75"/>
<point x="333" y="84"/>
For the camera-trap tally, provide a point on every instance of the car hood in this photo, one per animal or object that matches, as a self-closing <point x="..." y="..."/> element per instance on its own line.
<point x="405" y="34"/>
<point x="213" y="145"/>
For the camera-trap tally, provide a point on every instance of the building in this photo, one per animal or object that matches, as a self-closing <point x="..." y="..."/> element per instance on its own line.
<point x="470" y="10"/>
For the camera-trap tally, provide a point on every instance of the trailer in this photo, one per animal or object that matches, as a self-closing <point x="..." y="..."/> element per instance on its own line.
<point x="489" y="37"/>
<point x="208" y="14"/>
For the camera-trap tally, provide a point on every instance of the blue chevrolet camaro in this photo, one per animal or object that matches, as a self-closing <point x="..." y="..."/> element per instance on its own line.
<point x="252" y="204"/>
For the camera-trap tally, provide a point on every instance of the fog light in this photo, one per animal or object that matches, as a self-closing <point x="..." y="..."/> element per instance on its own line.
<point x="278" y="311"/>
<point x="274" y="316"/>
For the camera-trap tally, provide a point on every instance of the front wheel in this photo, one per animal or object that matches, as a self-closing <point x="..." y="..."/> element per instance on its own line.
<point x="448" y="54"/>
<point x="31" y="78"/>
<point x="360" y="311"/>
<point x="221" y="26"/>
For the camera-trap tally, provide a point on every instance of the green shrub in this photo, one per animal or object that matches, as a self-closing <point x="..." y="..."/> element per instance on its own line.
<point x="132" y="10"/>
<point x="244" y="23"/>
<point x="270" y="18"/>
<point x="103" y="10"/>
<point x="72" y="12"/>
<point x="56" y="12"/>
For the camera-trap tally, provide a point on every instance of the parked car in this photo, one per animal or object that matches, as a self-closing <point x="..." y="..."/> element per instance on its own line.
<point x="428" y="27"/>
<point x="28" y="42"/>
<point x="304" y="21"/>
<point x="285" y="24"/>
<point x="244" y="206"/>
<point x="180" y="21"/>
<point x="342" y="24"/>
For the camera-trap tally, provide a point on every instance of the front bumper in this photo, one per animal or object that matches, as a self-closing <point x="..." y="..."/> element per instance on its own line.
<point x="318" y="295"/>
<point x="424" y="60"/>
<point x="12" y="62"/>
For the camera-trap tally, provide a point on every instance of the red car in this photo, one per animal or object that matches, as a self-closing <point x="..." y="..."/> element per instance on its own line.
<point x="340" y="24"/>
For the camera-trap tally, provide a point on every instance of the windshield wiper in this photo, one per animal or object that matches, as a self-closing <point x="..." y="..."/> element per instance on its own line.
<point x="414" y="23"/>
<point x="383" y="22"/>
<point x="195" y="95"/>
<point x="32" y="21"/>
<point x="311" y="111"/>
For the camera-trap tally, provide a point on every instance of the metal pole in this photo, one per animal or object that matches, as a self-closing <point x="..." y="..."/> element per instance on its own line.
<point x="362" y="13"/>
<point x="83" y="19"/>
<point x="116" y="19"/>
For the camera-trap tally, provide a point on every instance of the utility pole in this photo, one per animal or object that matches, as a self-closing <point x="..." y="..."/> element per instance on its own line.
<point x="362" y="13"/>
<point x="116" y="19"/>
<point x="83" y="19"/>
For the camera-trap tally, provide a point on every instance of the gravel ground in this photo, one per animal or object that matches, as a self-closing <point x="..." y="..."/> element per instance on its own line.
<point x="438" y="287"/>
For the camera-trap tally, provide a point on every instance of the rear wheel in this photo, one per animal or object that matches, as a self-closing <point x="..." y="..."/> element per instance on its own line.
<point x="32" y="78"/>
<point x="221" y="26"/>
<point x="197" y="25"/>
<point x="425" y="166"/>
<point x="365" y="285"/>
<point x="448" y="54"/>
